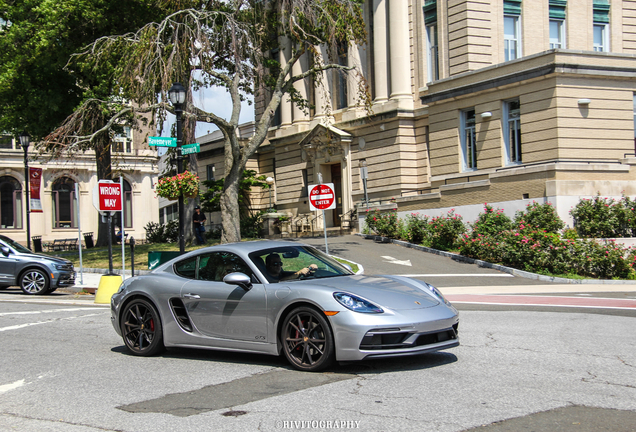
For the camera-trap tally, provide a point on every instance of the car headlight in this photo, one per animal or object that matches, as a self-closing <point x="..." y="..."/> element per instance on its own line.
<point x="61" y="266"/>
<point x="437" y="293"/>
<point x="356" y="304"/>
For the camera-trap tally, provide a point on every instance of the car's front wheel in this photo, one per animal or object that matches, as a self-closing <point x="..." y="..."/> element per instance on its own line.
<point x="141" y="328"/>
<point x="307" y="340"/>
<point x="34" y="282"/>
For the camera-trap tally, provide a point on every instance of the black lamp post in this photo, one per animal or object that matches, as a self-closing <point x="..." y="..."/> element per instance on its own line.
<point x="25" y="140"/>
<point x="177" y="95"/>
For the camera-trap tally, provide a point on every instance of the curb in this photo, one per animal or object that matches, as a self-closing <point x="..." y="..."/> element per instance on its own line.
<point x="498" y="267"/>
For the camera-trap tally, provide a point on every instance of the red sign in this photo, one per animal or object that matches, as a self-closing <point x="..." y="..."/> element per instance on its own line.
<point x="322" y="197"/>
<point x="35" y="205"/>
<point x="109" y="196"/>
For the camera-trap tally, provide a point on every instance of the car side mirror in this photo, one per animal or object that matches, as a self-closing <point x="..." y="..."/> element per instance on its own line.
<point x="240" y="279"/>
<point x="6" y="251"/>
<point x="347" y="266"/>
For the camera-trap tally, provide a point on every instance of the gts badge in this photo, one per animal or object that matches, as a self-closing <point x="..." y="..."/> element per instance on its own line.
<point x="259" y="338"/>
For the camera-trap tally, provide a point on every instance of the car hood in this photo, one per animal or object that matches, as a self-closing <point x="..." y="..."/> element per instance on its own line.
<point x="392" y="292"/>
<point x="41" y="257"/>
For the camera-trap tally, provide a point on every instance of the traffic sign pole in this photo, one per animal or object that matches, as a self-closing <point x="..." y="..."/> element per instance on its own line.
<point x="324" y="226"/>
<point x="322" y="197"/>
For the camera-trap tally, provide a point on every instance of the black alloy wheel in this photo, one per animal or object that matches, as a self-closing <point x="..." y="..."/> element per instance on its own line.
<point x="34" y="282"/>
<point x="141" y="328"/>
<point x="307" y="340"/>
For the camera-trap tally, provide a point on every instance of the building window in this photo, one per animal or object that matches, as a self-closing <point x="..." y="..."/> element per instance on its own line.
<point x="512" y="43"/>
<point x="122" y="143"/>
<point x="128" y="216"/>
<point x="601" y="9"/>
<point x="634" y="123"/>
<point x="600" y="37"/>
<point x="341" y="77"/>
<point x="64" y="203"/>
<point x="305" y="179"/>
<point x="6" y="142"/>
<point x="432" y="52"/>
<point x="469" y="150"/>
<point x="557" y="34"/>
<point x="432" y="46"/>
<point x="10" y="203"/>
<point x="512" y="131"/>
<point x="209" y="169"/>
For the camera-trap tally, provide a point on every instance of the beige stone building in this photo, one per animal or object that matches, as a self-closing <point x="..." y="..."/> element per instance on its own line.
<point x="131" y="158"/>
<point x="498" y="101"/>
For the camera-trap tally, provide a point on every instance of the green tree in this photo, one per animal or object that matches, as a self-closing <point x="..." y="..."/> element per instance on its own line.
<point x="38" y="92"/>
<point x="228" y="43"/>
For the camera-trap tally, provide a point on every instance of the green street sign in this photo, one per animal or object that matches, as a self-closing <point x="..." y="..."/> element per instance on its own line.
<point x="190" y="148"/>
<point x="162" y="141"/>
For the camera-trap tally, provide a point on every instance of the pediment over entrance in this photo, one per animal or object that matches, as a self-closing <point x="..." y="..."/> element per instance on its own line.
<point x="324" y="142"/>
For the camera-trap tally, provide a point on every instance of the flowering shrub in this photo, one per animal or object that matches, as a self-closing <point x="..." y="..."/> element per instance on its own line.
<point x="596" y="217"/>
<point x="541" y="217"/>
<point x="445" y="230"/>
<point x="416" y="229"/>
<point x="384" y="224"/>
<point x="491" y="222"/>
<point x="186" y="183"/>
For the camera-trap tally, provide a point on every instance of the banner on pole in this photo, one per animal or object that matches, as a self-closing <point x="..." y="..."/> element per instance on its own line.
<point x="35" y="177"/>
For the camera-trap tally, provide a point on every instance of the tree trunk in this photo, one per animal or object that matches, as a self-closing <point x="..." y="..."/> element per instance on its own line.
<point x="104" y="172"/>
<point x="230" y="216"/>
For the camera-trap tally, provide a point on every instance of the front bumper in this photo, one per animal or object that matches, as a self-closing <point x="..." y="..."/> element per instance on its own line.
<point x="397" y="333"/>
<point x="64" y="279"/>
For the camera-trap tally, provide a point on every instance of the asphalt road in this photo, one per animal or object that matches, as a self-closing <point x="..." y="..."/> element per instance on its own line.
<point x="518" y="368"/>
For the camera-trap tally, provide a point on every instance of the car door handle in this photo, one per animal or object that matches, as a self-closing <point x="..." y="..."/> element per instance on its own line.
<point x="192" y="296"/>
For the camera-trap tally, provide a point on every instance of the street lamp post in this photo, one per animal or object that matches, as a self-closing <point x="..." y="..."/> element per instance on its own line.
<point x="364" y="174"/>
<point x="177" y="95"/>
<point x="270" y="182"/>
<point x="25" y="140"/>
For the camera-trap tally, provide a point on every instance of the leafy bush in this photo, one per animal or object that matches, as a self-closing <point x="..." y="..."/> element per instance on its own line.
<point x="166" y="233"/>
<point x="251" y="225"/>
<point x="491" y="222"/>
<point x="542" y="217"/>
<point x="445" y="231"/>
<point x="596" y="217"/>
<point x="384" y="224"/>
<point x="416" y="229"/>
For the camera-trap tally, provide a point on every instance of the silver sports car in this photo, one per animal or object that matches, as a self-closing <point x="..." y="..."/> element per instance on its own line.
<point x="272" y="296"/>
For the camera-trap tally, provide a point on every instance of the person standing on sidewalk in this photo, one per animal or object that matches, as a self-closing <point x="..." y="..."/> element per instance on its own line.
<point x="198" y="220"/>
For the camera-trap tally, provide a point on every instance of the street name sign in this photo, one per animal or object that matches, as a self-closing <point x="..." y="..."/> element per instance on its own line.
<point x="190" y="148"/>
<point x="162" y="141"/>
<point x="322" y="197"/>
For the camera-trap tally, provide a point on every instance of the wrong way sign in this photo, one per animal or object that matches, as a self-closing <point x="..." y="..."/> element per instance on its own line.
<point x="107" y="196"/>
<point x="322" y="197"/>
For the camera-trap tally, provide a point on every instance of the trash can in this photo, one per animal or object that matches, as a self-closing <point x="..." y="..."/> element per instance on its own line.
<point x="88" y="240"/>
<point x="156" y="258"/>
<point x="37" y="243"/>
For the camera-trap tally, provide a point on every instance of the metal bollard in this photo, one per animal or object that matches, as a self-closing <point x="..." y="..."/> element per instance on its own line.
<point x="132" y="256"/>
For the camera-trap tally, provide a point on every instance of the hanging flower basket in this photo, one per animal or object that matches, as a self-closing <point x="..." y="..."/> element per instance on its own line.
<point x="186" y="184"/>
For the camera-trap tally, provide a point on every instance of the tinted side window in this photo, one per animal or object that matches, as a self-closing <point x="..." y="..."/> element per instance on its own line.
<point x="186" y="268"/>
<point x="215" y="266"/>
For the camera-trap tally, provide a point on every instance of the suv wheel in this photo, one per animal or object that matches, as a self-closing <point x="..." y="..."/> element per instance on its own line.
<point x="34" y="282"/>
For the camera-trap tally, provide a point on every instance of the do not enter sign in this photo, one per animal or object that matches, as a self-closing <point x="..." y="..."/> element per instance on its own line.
<point x="322" y="197"/>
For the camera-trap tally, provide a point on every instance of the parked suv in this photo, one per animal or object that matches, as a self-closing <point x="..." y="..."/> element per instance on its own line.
<point x="36" y="274"/>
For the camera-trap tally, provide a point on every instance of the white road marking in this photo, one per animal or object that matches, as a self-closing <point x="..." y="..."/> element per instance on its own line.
<point x="397" y="261"/>
<point x="457" y="275"/>
<point x="5" y="388"/>
<point x="45" y="311"/>
<point x="16" y="327"/>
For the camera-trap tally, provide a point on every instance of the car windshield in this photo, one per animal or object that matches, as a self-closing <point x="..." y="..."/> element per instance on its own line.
<point x="15" y="245"/>
<point x="289" y="263"/>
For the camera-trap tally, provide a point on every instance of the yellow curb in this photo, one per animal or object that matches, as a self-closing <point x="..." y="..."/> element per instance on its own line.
<point x="108" y="285"/>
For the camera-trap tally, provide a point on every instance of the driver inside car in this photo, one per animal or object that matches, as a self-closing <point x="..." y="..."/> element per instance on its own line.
<point x="274" y="266"/>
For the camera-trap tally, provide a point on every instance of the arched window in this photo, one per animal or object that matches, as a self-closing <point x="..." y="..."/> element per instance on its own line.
<point x="128" y="216"/>
<point x="64" y="203"/>
<point x="10" y="203"/>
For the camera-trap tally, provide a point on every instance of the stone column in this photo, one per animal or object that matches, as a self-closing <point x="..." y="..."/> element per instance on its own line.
<point x="323" y="91"/>
<point x="299" y="116"/>
<point x="285" y="106"/>
<point x="353" y="60"/>
<point x="380" y="78"/>
<point x="400" y="49"/>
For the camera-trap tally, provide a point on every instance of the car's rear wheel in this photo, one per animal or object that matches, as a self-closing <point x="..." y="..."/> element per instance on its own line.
<point x="34" y="282"/>
<point x="141" y="328"/>
<point x="307" y="340"/>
